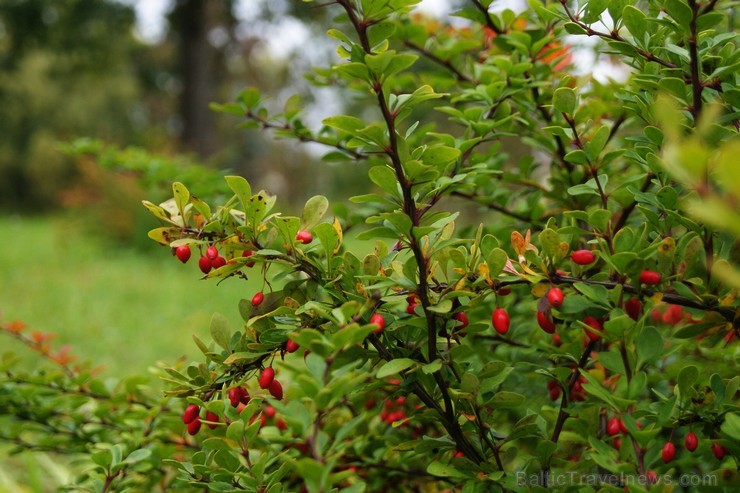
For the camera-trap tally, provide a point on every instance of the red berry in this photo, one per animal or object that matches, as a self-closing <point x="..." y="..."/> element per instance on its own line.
<point x="652" y="477"/>
<point x="211" y="417"/>
<point x="183" y="253"/>
<point x="617" y="444"/>
<point x="276" y="390"/>
<point x="461" y="317"/>
<point x="270" y="412"/>
<point x="613" y="428"/>
<point x="633" y="307"/>
<point x="500" y="320"/>
<point x="411" y="309"/>
<point x="257" y="299"/>
<point x="669" y="452"/>
<point x="503" y="291"/>
<point x="691" y="442"/>
<point x="304" y="237"/>
<point x="583" y="257"/>
<point x="673" y="315"/>
<point x="191" y="413"/>
<point x="204" y="264"/>
<point x="545" y="323"/>
<point x="554" y="393"/>
<point x="649" y="277"/>
<point x="281" y="424"/>
<point x="555" y="297"/>
<point x="379" y="321"/>
<point x="218" y="262"/>
<point x="592" y="322"/>
<point x="719" y="451"/>
<point x="291" y="346"/>
<point x="194" y="426"/>
<point x="266" y="377"/>
<point x="211" y="252"/>
<point x="238" y="395"/>
<point x="623" y="428"/>
<point x="248" y="253"/>
<point x="458" y="454"/>
<point x="556" y="340"/>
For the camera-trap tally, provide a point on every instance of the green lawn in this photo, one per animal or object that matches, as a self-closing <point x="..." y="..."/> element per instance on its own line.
<point x="120" y="308"/>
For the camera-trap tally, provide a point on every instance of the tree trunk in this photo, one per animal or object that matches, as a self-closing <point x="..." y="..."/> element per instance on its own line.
<point x="190" y="23"/>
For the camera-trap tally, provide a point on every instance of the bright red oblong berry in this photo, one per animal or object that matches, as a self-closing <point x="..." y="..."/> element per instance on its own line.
<point x="266" y="377"/>
<point x="592" y="322"/>
<point x="258" y="298"/>
<point x="555" y="297"/>
<point x="612" y="427"/>
<point x="500" y="320"/>
<point x="719" y="451"/>
<point x="649" y="277"/>
<point x="291" y="346"/>
<point x="194" y="426"/>
<point x="633" y="307"/>
<point x="213" y="418"/>
<point x="583" y="257"/>
<point x="691" y="442"/>
<point x="204" y="264"/>
<point x="379" y="321"/>
<point x="247" y="254"/>
<point x="276" y="390"/>
<point x="461" y="317"/>
<point x="668" y="453"/>
<point x="304" y="237"/>
<point x="212" y="252"/>
<point x="545" y="323"/>
<point x="217" y="262"/>
<point x="183" y="253"/>
<point x="191" y="412"/>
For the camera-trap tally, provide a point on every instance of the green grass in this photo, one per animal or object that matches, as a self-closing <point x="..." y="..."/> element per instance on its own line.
<point x="120" y="308"/>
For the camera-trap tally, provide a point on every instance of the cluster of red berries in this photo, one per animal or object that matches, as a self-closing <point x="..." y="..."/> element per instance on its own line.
<point x="211" y="260"/>
<point x="669" y="315"/>
<point x="691" y="442"/>
<point x="577" y="394"/>
<point x="191" y="417"/>
<point x="394" y="410"/>
<point x="267" y="381"/>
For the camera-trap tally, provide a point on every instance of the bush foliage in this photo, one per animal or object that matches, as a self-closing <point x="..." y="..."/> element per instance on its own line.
<point x="590" y="322"/>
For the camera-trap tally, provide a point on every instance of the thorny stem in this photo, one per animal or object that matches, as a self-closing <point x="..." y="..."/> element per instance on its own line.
<point x="615" y="36"/>
<point x="414" y="214"/>
<point x="439" y="61"/>
<point x="563" y="413"/>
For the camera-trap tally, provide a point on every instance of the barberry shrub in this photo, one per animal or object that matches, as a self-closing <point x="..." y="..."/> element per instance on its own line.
<point x="623" y="196"/>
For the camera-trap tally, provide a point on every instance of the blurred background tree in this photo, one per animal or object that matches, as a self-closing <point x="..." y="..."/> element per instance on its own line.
<point x="78" y="68"/>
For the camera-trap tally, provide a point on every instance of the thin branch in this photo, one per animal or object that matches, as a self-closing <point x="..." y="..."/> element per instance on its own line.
<point x="444" y="63"/>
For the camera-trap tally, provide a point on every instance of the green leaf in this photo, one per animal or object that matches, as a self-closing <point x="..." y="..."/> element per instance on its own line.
<point x="731" y="426"/>
<point x="138" y="455"/>
<point x="496" y="261"/>
<point x="636" y="22"/>
<point x="505" y="399"/>
<point x="395" y="366"/>
<point x="240" y="186"/>
<point x="440" y="156"/>
<point x="440" y="469"/>
<point x="313" y="211"/>
<point x="385" y="178"/>
<point x="564" y="100"/>
<point x="344" y="123"/>
<point x="182" y="196"/>
<point x="550" y="241"/>
<point x="649" y="345"/>
<point x="687" y="377"/>
<point x="220" y="330"/>
<point x="597" y="142"/>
